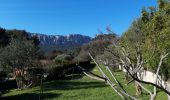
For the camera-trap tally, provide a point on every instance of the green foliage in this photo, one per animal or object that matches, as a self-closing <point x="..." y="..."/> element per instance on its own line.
<point x="63" y="59"/>
<point x="162" y="3"/>
<point x="4" y="38"/>
<point x="145" y="15"/>
<point x="151" y="33"/>
<point x="18" y="54"/>
<point x="19" y="50"/>
<point x="134" y="37"/>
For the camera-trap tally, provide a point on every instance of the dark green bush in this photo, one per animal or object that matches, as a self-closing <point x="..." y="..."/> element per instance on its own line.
<point x="61" y="71"/>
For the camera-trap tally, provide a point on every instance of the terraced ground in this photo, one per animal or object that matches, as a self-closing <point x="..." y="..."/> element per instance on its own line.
<point x="79" y="88"/>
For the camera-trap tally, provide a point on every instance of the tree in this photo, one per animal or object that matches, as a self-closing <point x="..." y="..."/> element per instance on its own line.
<point x="83" y="54"/>
<point x="4" y="38"/>
<point x="63" y="59"/>
<point x="19" y="54"/>
<point x="101" y="41"/>
<point x="145" y="46"/>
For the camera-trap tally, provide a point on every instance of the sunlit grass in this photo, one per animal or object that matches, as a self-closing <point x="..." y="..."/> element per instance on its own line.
<point x="78" y="89"/>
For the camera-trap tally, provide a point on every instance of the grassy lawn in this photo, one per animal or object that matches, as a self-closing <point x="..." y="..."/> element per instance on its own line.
<point x="80" y="89"/>
<point x="77" y="89"/>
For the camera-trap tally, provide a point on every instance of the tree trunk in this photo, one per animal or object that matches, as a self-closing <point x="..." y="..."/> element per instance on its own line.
<point x="138" y="89"/>
<point x="154" y="94"/>
<point x="153" y="97"/>
<point x="126" y="76"/>
<point x="17" y="81"/>
<point x="168" y="97"/>
<point x="20" y="82"/>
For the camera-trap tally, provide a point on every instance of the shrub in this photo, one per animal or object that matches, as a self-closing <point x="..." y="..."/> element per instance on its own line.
<point x="63" y="59"/>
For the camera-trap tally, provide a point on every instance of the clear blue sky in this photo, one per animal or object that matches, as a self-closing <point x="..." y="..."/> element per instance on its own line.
<point x="63" y="17"/>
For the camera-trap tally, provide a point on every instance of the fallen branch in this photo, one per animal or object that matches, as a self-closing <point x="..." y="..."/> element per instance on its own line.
<point x="96" y="77"/>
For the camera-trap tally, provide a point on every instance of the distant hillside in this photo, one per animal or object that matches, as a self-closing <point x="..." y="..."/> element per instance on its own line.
<point x="58" y="42"/>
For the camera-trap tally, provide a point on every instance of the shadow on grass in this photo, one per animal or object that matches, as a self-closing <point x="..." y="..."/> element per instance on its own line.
<point x="58" y="85"/>
<point x="76" y="73"/>
<point x="73" y="77"/>
<point x="31" y="96"/>
<point x="70" y="85"/>
<point x="72" y="72"/>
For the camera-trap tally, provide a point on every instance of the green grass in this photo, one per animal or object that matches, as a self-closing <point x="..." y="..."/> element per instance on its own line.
<point x="77" y="89"/>
<point x="81" y="89"/>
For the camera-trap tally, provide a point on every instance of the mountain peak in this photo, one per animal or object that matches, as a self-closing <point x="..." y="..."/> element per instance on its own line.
<point x="60" y="42"/>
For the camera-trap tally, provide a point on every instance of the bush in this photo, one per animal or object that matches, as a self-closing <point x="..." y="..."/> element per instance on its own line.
<point x="63" y="59"/>
<point x="2" y="78"/>
<point x="33" y="75"/>
<point x="61" y="71"/>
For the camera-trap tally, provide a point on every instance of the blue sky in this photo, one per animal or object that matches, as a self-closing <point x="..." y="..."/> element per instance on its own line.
<point x="63" y="17"/>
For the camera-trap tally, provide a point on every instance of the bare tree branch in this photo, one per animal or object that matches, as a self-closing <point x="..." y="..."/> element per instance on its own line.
<point x="97" y="77"/>
<point x="111" y="84"/>
<point x="120" y="85"/>
<point x="145" y="82"/>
